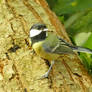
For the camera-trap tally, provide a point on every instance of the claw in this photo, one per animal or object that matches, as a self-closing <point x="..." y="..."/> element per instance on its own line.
<point x="47" y="73"/>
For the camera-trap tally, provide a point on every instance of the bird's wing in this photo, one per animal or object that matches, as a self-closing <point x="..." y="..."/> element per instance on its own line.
<point x="76" y="48"/>
<point x="54" y="45"/>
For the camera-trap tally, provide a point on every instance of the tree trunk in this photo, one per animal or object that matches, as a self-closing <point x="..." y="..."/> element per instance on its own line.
<point x="20" y="69"/>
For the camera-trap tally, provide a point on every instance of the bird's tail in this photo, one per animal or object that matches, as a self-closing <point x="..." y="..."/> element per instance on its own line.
<point x="81" y="49"/>
<point x="77" y="48"/>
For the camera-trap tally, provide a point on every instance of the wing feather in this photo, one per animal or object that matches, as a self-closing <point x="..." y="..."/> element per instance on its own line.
<point x="54" y="44"/>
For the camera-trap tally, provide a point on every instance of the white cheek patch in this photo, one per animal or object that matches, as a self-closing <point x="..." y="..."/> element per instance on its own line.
<point x="34" y="32"/>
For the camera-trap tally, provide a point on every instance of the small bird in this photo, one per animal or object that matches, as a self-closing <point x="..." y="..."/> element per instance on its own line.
<point x="50" y="46"/>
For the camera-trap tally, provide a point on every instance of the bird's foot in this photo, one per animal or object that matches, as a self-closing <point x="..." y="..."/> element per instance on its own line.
<point x="45" y="75"/>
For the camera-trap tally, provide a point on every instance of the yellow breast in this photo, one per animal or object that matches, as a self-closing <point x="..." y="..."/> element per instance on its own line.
<point x="40" y="51"/>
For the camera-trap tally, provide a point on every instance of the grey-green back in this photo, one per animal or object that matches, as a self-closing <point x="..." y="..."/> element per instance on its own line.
<point x="53" y="44"/>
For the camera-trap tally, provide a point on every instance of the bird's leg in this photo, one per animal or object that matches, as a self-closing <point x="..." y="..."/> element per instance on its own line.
<point x="47" y="73"/>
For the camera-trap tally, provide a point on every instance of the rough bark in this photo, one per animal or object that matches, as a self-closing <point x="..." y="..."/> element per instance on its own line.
<point x="19" y="67"/>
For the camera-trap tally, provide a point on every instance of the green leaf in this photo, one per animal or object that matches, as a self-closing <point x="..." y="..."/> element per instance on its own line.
<point x="87" y="61"/>
<point x="69" y="6"/>
<point x="88" y="43"/>
<point x="61" y="18"/>
<point x="81" y="38"/>
<point x="82" y="24"/>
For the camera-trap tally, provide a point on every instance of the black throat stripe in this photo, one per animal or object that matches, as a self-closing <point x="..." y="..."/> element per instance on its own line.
<point x="39" y="37"/>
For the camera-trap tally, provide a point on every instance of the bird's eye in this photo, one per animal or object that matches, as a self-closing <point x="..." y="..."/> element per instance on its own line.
<point x="39" y="27"/>
<point x="44" y="26"/>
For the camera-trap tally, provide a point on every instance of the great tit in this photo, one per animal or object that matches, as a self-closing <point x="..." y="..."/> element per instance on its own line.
<point x="50" y="46"/>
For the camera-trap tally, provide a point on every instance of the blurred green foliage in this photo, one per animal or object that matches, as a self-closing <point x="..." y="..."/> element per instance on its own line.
<point x="76" y="15"/>
<point x="69" y="6"/>
<point x="82" y="24"/>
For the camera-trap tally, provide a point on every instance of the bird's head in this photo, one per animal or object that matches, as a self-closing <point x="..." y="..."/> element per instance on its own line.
<point x="38" y="32"/>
